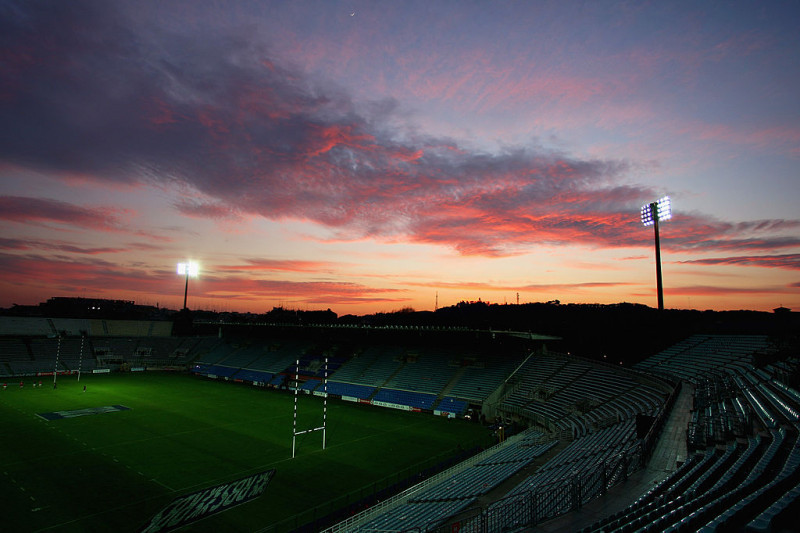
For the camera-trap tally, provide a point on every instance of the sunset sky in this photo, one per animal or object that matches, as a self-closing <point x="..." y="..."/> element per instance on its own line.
<point x="364" y="156"/>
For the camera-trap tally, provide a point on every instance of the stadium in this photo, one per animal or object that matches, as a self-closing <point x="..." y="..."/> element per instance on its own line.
<point x="125" y="425"/>
<point x="384" y="267"/>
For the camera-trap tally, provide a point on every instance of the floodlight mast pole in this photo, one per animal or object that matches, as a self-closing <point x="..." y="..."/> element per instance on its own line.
<point x="653" y="213"/>
<point x="187" y="269"/>
<point x="659" y="283"/>
<point x="186" y="287"/>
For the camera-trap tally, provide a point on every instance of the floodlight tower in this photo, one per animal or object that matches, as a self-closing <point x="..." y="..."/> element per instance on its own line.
<point x="187" y="269"/>
<point x="651" y="214"/>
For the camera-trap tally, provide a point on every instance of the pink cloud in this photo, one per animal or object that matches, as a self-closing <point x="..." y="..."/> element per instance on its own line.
<point x="311" y="292"/>
<point x="538" y="287"/>
<point x="740" y="44"/>
<point x="74" y="274"/>
<point x="278" y="265"/>
<point x="477" y="81"/>
<point x="783" y="136"/>
<point x="54" y="275"/>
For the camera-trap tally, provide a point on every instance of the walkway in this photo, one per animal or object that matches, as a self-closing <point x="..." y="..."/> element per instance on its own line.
<point x="669" y="454"/>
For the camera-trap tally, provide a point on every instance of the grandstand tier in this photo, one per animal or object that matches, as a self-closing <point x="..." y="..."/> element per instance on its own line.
<point x="740" y="473"/>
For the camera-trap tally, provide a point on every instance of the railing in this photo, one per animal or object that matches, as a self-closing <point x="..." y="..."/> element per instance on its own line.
<point x="524" y="509"/>
<point x="560" y="497"/>
<point x="404" y="496"/>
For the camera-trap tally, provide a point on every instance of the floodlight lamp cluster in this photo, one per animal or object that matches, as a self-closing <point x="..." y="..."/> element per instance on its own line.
<point x="190" y="269"/>
<point x="663" y="211"/>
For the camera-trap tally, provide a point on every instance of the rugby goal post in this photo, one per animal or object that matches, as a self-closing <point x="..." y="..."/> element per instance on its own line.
<point x="322" y="428"/>
<point x="80" y="357"/>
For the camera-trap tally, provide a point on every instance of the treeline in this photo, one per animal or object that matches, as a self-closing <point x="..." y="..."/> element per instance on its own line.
<point x="620" y="332"/>
<point x="614" y="333"/>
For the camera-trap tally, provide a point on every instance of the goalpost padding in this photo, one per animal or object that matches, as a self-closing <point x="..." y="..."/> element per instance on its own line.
<point x="322" y="428"/>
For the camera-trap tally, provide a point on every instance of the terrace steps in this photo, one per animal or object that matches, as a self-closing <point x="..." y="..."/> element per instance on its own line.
<point x="452" y="383"/>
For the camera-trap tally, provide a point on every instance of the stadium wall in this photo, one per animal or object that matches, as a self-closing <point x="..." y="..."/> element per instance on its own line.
<point x="50" y="327"/>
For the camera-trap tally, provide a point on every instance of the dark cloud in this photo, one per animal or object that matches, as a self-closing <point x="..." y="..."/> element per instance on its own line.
<point x="212" y="210"/>
<point x="61" y="246"/>
<point x="76" y="273"/>
<point x="15" y="244"/>
<point x="787" y="261"/>
<point x="56" y="213"/>
<point x="710" y="290"/>
<point x="39" y="210"/>
<point x="90" y="89"/>
<point x="691" y="233"/>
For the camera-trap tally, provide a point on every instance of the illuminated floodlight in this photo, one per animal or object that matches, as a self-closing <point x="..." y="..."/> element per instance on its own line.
<point x="190" y="270"/>
<point x="661" y="210"/>
<point x="652" y="214"/>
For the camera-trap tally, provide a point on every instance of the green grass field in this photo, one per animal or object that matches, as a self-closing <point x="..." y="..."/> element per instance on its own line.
<point x="114" y="471"/>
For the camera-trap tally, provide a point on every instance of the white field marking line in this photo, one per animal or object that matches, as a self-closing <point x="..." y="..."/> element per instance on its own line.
<point x="136" y="441"/>
<point x="240" y="472"/>
<point x="188" y="431"/>
<point x="154" y="480"/>
<point x="20" y="487"/>
<point x="131" y="504"/>
<point x="104" y="511"/>
<point x="212" y="481"/>
<point x="365" y="437"/>
<point x="262" y="467"/>
<point x="112" y="509"/>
